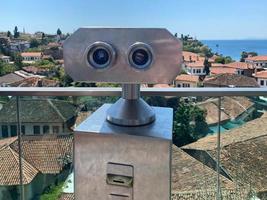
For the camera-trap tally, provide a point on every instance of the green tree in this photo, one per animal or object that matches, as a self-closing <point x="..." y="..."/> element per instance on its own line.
<point x="8" y="34"/>
<point x="59" y="32"/>
<point x="189" y="124"/>
<point x="6" y="68"/>
<point x="18" y="60"/>
<point x="207" y="66"/>
<point x="34" y="43"/>
<point x="16" y="32"/>
<point x="245" y="54"/>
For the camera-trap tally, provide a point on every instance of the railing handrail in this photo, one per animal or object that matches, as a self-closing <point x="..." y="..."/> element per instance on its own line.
<point x="108" y="91"/>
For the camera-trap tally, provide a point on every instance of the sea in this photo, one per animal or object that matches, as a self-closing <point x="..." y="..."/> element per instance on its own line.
<point x="234" y="48"/>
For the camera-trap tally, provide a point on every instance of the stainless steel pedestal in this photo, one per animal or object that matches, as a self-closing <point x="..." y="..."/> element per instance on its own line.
<point x="123" y="163"/>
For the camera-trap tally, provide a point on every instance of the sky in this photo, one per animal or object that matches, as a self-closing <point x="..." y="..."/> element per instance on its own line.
<point x="203" y="19"/>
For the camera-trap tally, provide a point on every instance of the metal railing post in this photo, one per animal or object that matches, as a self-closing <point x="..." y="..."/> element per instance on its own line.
<point x="19" y="148"/>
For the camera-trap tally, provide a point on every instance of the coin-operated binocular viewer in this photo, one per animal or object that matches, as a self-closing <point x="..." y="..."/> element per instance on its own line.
<point x="123" y="150"/>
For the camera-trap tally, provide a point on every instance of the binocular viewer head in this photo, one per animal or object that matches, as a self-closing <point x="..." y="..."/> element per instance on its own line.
<point x="123" y="55"/>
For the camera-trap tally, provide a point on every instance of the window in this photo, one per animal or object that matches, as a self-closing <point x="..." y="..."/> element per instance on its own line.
<point x="178" y="85"/>
<point x="23" y="130"/>
<point x="4" y="131"/>
<point x="55" y="129"/>
<point x="13" y="130"/>
<point x="45" y="129"/>
<point x="262" y="82"/>
<point x="36" y="130"/>
<point x="186" y="85"/>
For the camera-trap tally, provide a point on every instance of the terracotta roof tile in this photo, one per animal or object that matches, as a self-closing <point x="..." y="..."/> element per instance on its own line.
<point x="31" y="54"/>
<point x="66" y="196"/>
<point x="47" y="153"/>
<point x="239" y="65"/>
<point x="262" y="74"/>
<point x="257" y="58"/>
<point x="185" y="77"/>
<point x="226" y="80"/>
<point x="9" y="166"/>
<point x="191" y="57"/>
<point x="199" y="64"/>
<point x="222" y="70"/>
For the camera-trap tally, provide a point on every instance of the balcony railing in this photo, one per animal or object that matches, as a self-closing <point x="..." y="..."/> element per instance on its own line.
<point x="212" y="156"/>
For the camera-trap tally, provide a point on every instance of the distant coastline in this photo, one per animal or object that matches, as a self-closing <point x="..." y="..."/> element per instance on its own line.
<point x="234" y="48"/>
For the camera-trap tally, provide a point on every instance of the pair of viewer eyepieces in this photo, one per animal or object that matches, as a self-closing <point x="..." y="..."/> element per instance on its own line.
<point x="102" y="55"/>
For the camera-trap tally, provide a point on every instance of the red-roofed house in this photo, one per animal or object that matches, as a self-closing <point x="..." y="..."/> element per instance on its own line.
<point x="258" y="62"/>
<point x="242" y="68"/>
<point x="222" y="70"/>
<point x="189" y="57"/>
<point x="185" y="80"/>
<point x="261" y="78"/>
<point x="195" y="68"/>
<point x="31" y="56"/>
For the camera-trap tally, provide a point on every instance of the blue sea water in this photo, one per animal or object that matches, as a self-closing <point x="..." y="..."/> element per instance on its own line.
<point x="234" y="48"/>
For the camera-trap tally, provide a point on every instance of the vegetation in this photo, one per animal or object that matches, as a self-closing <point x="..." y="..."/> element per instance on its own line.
<point x="59" y="32"/>
<point x="245" y="54"/>
<point x="52" y="193"/>
<point x="207" y="66"/>
<point x="189" y="124"/>
<point x="223" y="60"/>
<point x="195" y="46"/>
<point x="16" y="32"/>
<point x="6" y="68"/>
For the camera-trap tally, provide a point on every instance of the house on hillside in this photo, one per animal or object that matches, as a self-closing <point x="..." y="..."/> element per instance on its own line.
<point x="29" y="57"/>
<point x="243" y="155"/>
<point x="5" y="59"/>
<point x="19" y="46"/>
<point x="38" y="117"/>
<point x="195" y="68"/>
<point x="261" y="78"/>
<point x="242" y="68"/>
<point x="46" y="160"/>
<point x="9" y="79"/>
<point x="257" y="62"/>
<point x="186" y="81"/>
<point x="230" y="80"/>
<point x="189" y="57"/>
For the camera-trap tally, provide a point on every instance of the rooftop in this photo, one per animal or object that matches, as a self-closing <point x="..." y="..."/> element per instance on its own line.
<point x="232" y="80"/>
<point x="239" y="65"/>
<point x="32" y="111"/>
<point x="186" y="77"/>
<point x="262" y="74"/>
<point x="222" y="70"/>
<point x="198" y="64"/>
<point x="257" y="58"/>
<point x="31" y="54"/>
<point x="41" y="154"/>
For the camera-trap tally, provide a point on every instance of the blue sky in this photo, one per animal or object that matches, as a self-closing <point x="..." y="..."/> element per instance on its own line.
<point x="205" y="19"/>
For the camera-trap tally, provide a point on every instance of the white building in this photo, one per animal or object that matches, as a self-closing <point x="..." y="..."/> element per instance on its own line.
<point x="31" y="56"/>
<point x="261" y="78"/>
<point x="258" y="62"/>
<point x="5" y="59"/>
<point x="195" y="68"/>
<point x="186" y="81"/>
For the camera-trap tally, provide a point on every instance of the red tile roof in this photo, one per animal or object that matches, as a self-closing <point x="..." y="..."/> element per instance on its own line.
<point x="161" y="86"/>
<point x="257" y="58"/>
<point x="31" y="54"/>
<point x="199" y="64"/>
<point x="262" y="74"/>
<point x="222" y="70"/>
<point x="9" y="165"/>
<point x="46" y="154"/>
<point x="185" y="77"/>
<point x="191" y="57"/>
<point x="239" y="65"/>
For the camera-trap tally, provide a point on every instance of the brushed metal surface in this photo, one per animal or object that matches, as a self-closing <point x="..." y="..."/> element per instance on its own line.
<point x="125" y="112"/>
<point x="146" y="148"/>
<point x="161" y="128"/>
<point x="166" y="64"/>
